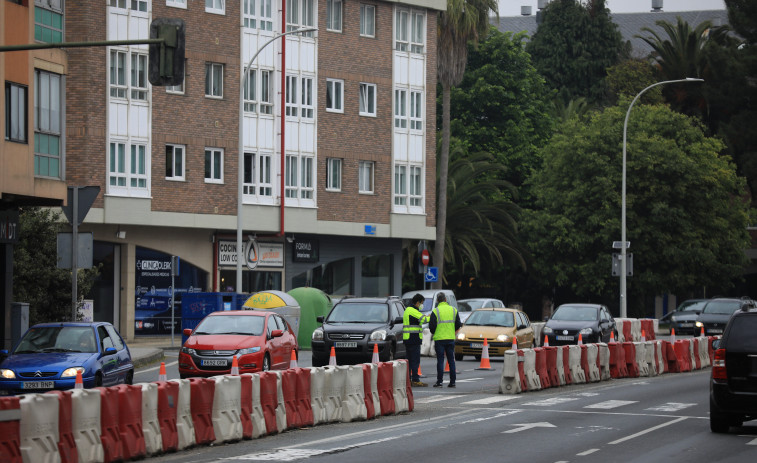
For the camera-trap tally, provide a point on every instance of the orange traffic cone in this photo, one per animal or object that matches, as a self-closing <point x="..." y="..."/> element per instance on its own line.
<point x="643" y="336"/>
<point x="332" y="357"/>
<point x="446" y="367"/>
<point x="79" y="384"/>
<point x="293" y="359"/>
<point x="375" y="358"/>
<point x="546" y="341"/>
<point x="162" y="372"/>
<point x="702" y="332"/>
<point x="420" y="373"/>
<point x="485" y="365"/>
<point x="234" y="366"/>
<point x="515" y="343"/>
<point x="580" y="340"/>
<point x="673" y="335"/>
<point x="612" y="336"/>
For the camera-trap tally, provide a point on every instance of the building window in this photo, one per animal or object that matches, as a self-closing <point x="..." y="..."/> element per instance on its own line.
<point x="127" y="173"/>
<point x="254" y="87"/>
<point x="137" y="163"/>
<point x="400" y="109"/>
<point x="266" y="98"/>
<point x="367" y="20"/>
<point x="118" y="4"/>
<point x="177" y="3"/>
<point x="306" y="177"/>
<point x="214" y="80"/>
<point x="139" y="5"/>
<point x="416" y="110"/>
<point x="175" y="159"/>
<point x="300" y="14"/>
<point x="334" y="174"/>
<point x="117" y="74"/>
<point x="138" y="76"/>
<point x="257" y="174"/>
<point x="178" y="89"/>
<point x="47" y="124"/>
<point x="249" y="14"/>
<point x="291" y="177"/>
<point x="365" y="177"/>
<point x="400" y="185"/>
<point x="215" y="6"/>
<point x="298" y="177"/>
<point x="117" y="165"/>
<point x="291" y="96"/>
<point x="260" y="18"/>
<point x="48" y="22"/>
<point x="367" y="99"/>
<point x="416" y="193"/>
<point x="213" y="165"/>
<point x="250" y="95"/>
<point x="334" y="15"/>
<point x="307" y="97"/>
<point x="409" y="30"/>
<point x="334" y="95"/>
<point x="407" y="189"/>
<point x="16" y="101"/>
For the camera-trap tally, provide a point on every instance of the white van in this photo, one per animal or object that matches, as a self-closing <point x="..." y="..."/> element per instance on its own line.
<point x="431" y="298"/>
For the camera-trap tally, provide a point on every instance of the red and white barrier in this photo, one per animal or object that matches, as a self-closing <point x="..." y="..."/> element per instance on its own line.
<point x="150" y="421"/>
<point x="227" y="405"/>
<point x="576" y="371"/>
<point x="509" y="382"/>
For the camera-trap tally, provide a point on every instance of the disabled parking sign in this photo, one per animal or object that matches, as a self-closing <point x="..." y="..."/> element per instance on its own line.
<point x="431" y="275"/>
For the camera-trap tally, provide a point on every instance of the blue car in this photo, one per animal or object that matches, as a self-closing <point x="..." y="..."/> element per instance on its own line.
<point x="50" y="354"/>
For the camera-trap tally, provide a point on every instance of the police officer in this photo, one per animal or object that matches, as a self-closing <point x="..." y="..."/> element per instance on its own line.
<point x="444" y="323"/>
<point x="412" y="336"/>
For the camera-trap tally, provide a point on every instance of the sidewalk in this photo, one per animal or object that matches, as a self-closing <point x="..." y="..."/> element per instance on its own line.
<point x="150" y="349"/>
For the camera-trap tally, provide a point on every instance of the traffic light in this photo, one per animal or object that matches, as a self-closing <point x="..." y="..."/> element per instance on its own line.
<point x="167" y="58"/>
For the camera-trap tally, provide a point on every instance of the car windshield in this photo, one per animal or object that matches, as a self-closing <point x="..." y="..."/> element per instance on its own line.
<point x="362" y="312"/>
<point x="575" y="313"/>
<point x="58" y="339"/>
<point x="722" y="307"/>
<point x="250" y="325"/>
<point x="476" y="303"/>
<point x="688" y="306"/>
<point x="490" y="318"/>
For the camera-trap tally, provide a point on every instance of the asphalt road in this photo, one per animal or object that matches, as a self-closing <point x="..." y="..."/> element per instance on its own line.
<point x="662" y="418"/>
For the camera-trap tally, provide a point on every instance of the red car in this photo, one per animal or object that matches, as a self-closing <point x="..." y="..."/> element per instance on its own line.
<point x="261" y="341"/>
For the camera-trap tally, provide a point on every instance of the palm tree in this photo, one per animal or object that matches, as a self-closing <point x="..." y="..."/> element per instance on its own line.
<point x="464" y="21"/>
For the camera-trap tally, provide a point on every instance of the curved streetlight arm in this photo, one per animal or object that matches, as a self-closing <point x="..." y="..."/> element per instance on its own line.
<point x="624" y="245"/>
<point x="240" y="168"/>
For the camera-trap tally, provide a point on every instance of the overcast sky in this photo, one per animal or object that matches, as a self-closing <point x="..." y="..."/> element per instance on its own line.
<point x="512" y="7"/>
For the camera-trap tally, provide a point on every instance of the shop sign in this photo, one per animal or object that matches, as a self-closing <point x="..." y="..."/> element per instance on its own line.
<point x="305" y="250"/>
<point x="269" y="254"/>
<point x="9" y="227"/>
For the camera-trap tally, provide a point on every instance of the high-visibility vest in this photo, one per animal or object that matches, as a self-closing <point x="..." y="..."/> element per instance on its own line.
<point x="408" y="328"/>
<point x="445" y="321"/>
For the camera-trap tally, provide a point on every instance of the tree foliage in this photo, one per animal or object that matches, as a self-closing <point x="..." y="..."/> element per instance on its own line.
<point x="686" y="218"/>
<point x="629" y="77"/>
<point x="573" y="47"/>
<point x="36" y="277"/>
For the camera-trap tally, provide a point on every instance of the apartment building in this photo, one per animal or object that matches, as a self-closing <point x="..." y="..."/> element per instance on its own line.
<point x="32" y="171"/>
<point x="351" y="106"/>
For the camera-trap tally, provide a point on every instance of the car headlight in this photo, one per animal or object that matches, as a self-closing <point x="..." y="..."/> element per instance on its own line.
<point x="546" y="330"/>
<point x="318" y="334"/>
<point x="7" y="374"/>
<point x="699" y="324"/>
<point x="502" y="338"/>
<point x="587" y="330"/>
<point x="187" y="350"/>
<point x="249" y="350"/>
<point x="461" y="336"/>
<point x="71" y="372"/>
<point x="378" y="335"/>
<point x="673" y="318"/>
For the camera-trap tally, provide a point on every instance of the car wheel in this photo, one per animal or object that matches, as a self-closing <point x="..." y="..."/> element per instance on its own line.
<point x="266" y="363"/>
<point x="129" y="377"/>
<point x="458" y="357"/>
<point x="718" y="421"/>
<point x="98" y="379"/>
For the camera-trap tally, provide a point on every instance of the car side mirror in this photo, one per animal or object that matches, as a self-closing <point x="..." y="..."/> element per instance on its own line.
<point x="187" y="332"/>
<point x="716" y="344"/>
<point x="277" y="333"/>
<point x="319" y="319"/>
<point x="397" y="320"/>
<point x="110" y="351"/>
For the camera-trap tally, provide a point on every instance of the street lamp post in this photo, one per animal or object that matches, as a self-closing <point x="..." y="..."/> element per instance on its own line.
<point x="623" y="243"/>
<point x="240" y="177"/>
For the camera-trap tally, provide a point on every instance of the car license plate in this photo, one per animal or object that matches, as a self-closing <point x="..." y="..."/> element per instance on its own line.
<point x="716" y="330"/>
<point x="214" y="363"/>
<point x="564" y="338"/>
<point x="345" y="344"/>
<point x="687" y="325"/>
<point x="477" y="345"/>
<point x="39" y="384"/>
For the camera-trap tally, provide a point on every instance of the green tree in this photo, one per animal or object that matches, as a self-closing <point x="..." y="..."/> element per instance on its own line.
<point x="573" y="47"/>
<point x="36" y="277"/>
<point x="629" y="77"/>
<point x="686" y="218"/>
<point x="463" y="21"/>
<point x="502" y="105"/>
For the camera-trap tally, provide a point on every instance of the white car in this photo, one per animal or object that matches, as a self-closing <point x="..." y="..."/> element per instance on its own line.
<point x="469" y="305"/>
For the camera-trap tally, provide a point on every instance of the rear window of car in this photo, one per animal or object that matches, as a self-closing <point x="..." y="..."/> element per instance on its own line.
<point x="353" y="312"/>
<point x="722" y="307"/>
<point x="250" y="325"/>
<point x="742" y="334"/>
<point x="575" y="312"/>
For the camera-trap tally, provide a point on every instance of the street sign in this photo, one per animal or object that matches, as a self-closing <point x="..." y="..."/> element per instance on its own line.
<point x="425" y="257"/>
<point x="619" y="244"/>
<point x="431" y="275"/>
<point x="616" y="264"/>
<point x="65" y="248"/>
<point x="86" y="196"/>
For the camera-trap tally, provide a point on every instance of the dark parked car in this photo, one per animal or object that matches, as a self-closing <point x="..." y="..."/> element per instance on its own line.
<point x="733" y="387"/>
<point x="49" y="355"/>
<point x="683" y="318"/>
<point x="592" y="321"/>
<point x="354" y="326"/>
<point x="717" y="312"/>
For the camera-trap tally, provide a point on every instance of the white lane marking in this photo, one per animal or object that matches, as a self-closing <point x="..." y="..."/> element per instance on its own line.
<point x="288" y="454"/>
<point x="489" y="400"/>
<point x="157" y="368"/>
<point x="467" y="380"/>
<point x="587" y="452"/>
<point x="670" y="407"/>
<point x="437" y="398"/>
<point x="487" y="418"/>
<point x="609" y="404"/>
<point x="751" y="442"/>
<point x="552" y="401"/>
<point x="587" y="394"/>
<point x="648" y="430"/>
<point x="523" y="427"/>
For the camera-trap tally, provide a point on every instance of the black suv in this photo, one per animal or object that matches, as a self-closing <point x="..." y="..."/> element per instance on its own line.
<point x="733" y="387"/>
<point x="354" y="326"/>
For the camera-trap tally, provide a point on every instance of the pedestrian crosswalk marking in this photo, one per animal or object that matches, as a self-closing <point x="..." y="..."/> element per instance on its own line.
<point x="437" y="398"/>
<point x="609" y="404"/>
<point x="489" y="400"/>
<point x="670" y="407"/>
<point x="467" y="380"/>
<point x="552" y="401"/>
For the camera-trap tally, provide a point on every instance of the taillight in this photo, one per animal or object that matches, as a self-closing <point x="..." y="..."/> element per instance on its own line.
<point x="718" y="365"/>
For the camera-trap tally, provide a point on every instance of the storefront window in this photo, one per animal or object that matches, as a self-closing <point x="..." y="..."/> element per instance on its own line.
<point x="252" y="282"/>
<point x="332" y="278"/>
<point x="377" y="275"/>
